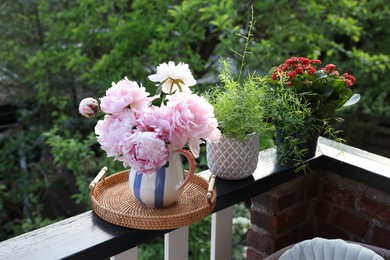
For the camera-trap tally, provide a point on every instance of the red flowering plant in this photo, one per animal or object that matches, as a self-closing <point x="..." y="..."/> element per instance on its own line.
<point x="302" y="101"/>
<point x="325" y="90"/>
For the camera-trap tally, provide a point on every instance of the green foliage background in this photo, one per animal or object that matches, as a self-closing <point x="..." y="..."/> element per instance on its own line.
<point x="54" y="53"/>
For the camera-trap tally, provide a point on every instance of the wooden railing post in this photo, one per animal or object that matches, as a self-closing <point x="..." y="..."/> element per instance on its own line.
<point x="176" y="244"/>
<point x="221" y="234"/>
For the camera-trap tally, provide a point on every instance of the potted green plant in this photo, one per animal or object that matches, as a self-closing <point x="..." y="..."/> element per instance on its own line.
<point x="302" y="102"/>
<point x="238" y="110"/>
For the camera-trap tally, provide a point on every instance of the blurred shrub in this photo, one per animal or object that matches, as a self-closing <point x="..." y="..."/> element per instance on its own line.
<point x="54" y="53"/>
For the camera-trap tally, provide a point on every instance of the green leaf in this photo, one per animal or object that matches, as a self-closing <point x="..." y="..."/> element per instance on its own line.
<point x="325" y="91"/>
<point x="320" y="76"/>
<point x="352" y="100"/>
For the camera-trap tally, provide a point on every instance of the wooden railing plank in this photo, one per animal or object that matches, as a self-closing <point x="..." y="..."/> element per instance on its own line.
<point x="86" y="236"/>
<point x="131" y="254"/>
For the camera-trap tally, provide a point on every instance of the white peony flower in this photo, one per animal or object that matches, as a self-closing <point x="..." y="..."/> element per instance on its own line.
<point x="173" y="77"/>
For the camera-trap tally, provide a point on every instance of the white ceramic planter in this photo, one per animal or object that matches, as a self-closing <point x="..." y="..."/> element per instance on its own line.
<point x="233" y="159"/>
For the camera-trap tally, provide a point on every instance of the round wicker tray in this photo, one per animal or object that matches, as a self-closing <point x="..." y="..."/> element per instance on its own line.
<point x="112" y="201"/>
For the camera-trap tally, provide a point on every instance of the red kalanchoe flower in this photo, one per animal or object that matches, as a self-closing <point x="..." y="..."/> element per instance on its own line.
<point x="315" y="62"/>
<point x="298" y="65"/>
<point x="275" y="73"/>
<point x="292" y="69"/>
<point x="329" y="67"/>
<point x="291" y="60"/>
<point x="311" y="70"/>
<point x="302" y="74"/>
<point x="349" y="79"/>
<point x="291" y="74"/>
<point x="300" y="70"/>
<point x="304" y="61"/>
<point x="349" y="82"/>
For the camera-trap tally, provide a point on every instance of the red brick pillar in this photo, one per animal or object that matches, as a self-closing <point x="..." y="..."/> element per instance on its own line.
<point x="352" y="210"/>
<point x="319" y="204"/>
<point x="376" y="205"/>
<point x="282" y="216"/>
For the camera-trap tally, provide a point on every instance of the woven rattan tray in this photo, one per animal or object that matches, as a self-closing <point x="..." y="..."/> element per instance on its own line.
<point x="112" y="201"/>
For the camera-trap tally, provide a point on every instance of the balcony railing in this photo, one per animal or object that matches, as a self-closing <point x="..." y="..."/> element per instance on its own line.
<point x="86" y="236"/>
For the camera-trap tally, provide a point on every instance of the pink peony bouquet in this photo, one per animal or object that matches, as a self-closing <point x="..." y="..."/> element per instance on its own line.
<point x="142" y="135"/>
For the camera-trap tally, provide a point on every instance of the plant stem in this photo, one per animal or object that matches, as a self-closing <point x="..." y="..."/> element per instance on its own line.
<point x="248" y="40"/>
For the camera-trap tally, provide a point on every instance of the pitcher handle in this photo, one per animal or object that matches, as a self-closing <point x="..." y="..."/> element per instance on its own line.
<point x="191" y="171"/>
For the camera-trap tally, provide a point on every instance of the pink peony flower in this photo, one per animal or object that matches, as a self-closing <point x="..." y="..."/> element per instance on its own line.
<point x="112" y="129"/>
<point x="156" y="119"/>
<point x="172" y="76"/>
<point x="125" y="94"/>
<point x="193" y="120"/>
<point x="144" y="151"/>
<point x="141" y="135"/>
<point x="88" y="107"/>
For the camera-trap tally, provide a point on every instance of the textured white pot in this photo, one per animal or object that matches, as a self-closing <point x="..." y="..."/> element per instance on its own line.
<point x="233" y="159"/>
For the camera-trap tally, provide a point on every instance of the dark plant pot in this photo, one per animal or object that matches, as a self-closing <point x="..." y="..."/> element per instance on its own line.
<point x="307" y="144"/>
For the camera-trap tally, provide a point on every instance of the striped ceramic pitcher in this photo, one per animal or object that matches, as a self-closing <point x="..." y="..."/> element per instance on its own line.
<point x="163" y="187"/>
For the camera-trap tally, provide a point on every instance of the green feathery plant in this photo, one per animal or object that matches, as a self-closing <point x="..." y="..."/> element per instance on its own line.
<point x="248" y="39"/>
<point x="290" y="113"/>
<point x="237" y="102"/>
<point x="302" y="101"/>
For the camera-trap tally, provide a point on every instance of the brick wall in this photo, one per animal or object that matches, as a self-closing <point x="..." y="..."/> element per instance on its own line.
<point x="319" y="204"/>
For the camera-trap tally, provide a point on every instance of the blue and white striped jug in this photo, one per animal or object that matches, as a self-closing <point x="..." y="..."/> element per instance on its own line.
<point x="163" y="187"/>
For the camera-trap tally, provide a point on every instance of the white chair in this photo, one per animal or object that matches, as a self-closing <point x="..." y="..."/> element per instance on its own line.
<point x="330" y="249"/>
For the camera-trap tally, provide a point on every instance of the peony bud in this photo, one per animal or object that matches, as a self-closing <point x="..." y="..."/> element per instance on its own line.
<point x="88" y="107"/>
